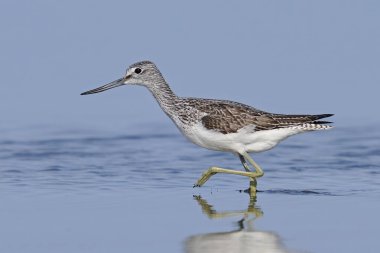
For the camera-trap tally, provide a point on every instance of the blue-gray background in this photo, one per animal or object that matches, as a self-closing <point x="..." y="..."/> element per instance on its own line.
<point x="279" y="56"/>
<point x="110" y="173"/>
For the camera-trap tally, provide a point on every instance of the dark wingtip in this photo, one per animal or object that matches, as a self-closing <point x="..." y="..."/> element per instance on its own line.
<point x="322" y="122"/>
<point x="322" y="116"/>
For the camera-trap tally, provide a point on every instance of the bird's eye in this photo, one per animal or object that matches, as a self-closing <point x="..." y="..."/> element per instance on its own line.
<point x="137" y="70"/>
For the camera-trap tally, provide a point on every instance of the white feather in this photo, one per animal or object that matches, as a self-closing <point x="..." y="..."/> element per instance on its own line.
<point x="245" y="140"/>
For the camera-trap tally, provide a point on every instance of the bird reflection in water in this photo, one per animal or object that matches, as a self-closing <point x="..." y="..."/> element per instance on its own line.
<point x="244" y="239"/>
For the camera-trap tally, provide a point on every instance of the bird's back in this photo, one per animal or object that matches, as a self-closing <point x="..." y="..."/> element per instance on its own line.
<point x="229" y="117"/>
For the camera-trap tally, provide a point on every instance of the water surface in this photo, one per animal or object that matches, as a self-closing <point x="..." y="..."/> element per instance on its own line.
<point x="80" y="190"/>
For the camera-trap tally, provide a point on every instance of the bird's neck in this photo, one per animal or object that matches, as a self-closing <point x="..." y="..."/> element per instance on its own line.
<point x="164" y="95"/>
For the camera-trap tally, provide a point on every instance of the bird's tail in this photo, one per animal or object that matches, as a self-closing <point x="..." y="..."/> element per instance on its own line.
<point x="316" y="124"/>
<point x="304" y="122"/>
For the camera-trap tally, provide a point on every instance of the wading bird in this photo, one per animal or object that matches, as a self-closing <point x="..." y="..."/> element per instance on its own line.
<point x="219" y="125"/>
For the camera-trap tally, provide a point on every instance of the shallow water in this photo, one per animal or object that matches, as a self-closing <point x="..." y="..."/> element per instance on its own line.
<point x="75" y="190"/>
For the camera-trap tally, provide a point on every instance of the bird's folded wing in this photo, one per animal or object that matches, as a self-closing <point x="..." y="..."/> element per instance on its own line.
<point x="232" y="124"/>
<point x="227" y="122"/>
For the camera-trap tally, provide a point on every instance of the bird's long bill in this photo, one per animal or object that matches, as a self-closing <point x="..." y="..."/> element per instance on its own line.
<point x="108" y="86"/>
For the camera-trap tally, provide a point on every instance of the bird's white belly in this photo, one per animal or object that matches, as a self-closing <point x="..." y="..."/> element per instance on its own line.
<point x="242" y="141"/>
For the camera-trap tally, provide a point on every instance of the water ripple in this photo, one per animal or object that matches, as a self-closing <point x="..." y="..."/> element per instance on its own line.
<point x="340" y="162"/>
<point x="299" y="192"/>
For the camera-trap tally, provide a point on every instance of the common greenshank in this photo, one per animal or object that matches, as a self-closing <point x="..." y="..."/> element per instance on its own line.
<point x="219" y="125"/>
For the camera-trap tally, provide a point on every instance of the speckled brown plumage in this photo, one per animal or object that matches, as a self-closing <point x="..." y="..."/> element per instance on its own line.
<point x="229" y="117"/>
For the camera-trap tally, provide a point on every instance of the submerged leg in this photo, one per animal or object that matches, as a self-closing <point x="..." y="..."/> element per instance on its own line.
<point x="248" y="173"/>
<point x="253" y="182"/>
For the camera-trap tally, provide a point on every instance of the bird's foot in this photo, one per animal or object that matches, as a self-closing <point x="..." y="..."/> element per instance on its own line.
<point x="205" y="176"/>
<point x="214" y="170"/>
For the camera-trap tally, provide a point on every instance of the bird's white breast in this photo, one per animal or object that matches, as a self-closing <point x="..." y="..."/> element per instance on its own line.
<point x="245" y="140"/>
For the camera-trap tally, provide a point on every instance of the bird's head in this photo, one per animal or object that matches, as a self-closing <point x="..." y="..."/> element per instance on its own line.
<point x="143" y="73"/>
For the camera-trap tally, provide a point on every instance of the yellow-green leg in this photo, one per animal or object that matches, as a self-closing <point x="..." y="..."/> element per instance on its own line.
<point x="253" y="181"/>
<point x="248" y="173"/>
<point x="244" y="162"/>
<point x="253" y="163"/>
